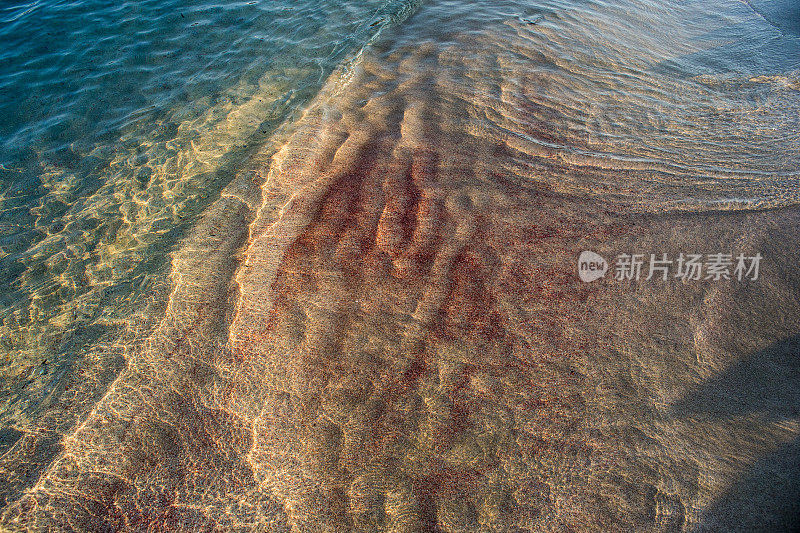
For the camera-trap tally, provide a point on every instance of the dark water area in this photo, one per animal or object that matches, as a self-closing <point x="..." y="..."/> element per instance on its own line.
<point x="313" y="267"/>
<point x="783" y="14"/>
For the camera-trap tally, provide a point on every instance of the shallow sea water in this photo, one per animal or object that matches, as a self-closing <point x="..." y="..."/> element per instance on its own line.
<point x="332" y="287"/>
<point x="122" y="124"/>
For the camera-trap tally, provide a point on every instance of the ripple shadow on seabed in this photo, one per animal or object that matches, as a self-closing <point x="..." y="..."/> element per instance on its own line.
<point x="405" y="346"/>
<point x="767" y="498"/>
<point x="92" y="357"/>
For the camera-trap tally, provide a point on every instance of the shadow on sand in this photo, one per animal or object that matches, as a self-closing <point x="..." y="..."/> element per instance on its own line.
<point x="767" y="498"/>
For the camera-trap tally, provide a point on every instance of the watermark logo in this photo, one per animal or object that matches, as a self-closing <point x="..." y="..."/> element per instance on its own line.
<point x="686" y="267"/>
<point x="591" y="266"/>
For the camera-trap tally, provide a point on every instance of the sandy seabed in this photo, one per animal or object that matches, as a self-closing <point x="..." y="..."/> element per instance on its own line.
<point x="381" y="328"/>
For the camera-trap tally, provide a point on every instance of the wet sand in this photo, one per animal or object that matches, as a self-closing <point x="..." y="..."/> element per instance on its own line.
<point x="381" y="328"/>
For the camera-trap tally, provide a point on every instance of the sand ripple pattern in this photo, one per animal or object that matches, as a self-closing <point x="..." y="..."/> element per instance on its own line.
<point x="404" y="346"/>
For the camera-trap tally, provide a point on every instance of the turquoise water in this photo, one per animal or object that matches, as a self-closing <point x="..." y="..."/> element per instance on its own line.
<point x="119" y="124"/>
